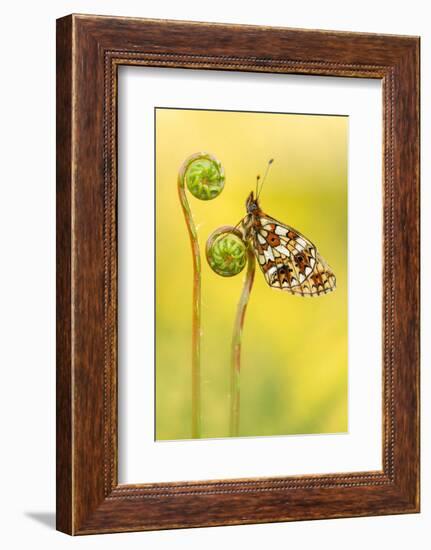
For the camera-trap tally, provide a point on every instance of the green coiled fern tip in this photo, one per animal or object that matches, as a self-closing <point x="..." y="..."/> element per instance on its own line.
<point x="205" y="178"/>
<point x="226" y="252"/>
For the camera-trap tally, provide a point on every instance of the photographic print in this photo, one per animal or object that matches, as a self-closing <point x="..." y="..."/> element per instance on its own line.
<point x="235" y="312"/>
<point x="251" y="274"/>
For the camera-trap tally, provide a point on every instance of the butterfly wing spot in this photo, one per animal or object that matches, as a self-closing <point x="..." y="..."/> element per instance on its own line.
<point x="281" y="231"/>
<point x="271" y="275"/>
<point x="273" y="239"/>
<point x="268" y="254"/>
<point x="304" y="261"/>
<point x="301" y="242"/>
<point x="283" y="251"/>
<point x="281" y="277"/>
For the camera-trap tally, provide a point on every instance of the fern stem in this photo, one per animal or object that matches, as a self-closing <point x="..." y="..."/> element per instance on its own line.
<point x="196" y="301"/>
<point x="235" y="365"/>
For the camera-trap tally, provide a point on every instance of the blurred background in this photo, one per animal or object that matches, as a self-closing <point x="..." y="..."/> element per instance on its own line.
<point x="294" y="352"/>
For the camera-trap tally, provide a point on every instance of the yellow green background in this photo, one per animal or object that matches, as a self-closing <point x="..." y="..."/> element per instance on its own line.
<point x="294" y="351"/>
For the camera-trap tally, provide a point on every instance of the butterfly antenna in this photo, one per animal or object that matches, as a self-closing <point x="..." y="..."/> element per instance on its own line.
<point x="257" y="184"/>
<point x="264" y="177"/>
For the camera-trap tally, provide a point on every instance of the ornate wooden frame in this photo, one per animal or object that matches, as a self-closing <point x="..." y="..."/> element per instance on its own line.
<point x="89" y="51"/>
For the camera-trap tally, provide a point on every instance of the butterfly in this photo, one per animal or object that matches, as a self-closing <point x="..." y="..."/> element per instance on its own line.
<point x="288" y="260"/>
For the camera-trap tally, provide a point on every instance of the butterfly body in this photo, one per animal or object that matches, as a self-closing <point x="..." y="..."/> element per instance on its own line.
<point x="288" y="260"/>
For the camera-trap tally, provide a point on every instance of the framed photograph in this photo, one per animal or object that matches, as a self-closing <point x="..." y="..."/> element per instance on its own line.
<point x="237" y="274"/>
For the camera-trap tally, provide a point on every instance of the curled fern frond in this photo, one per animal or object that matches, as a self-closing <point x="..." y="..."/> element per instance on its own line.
<point x="226" y="254"/>
<point x="205" y="177"/>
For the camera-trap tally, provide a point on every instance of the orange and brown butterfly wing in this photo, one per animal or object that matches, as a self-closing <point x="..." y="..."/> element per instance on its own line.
<point x="288" y="260"/>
